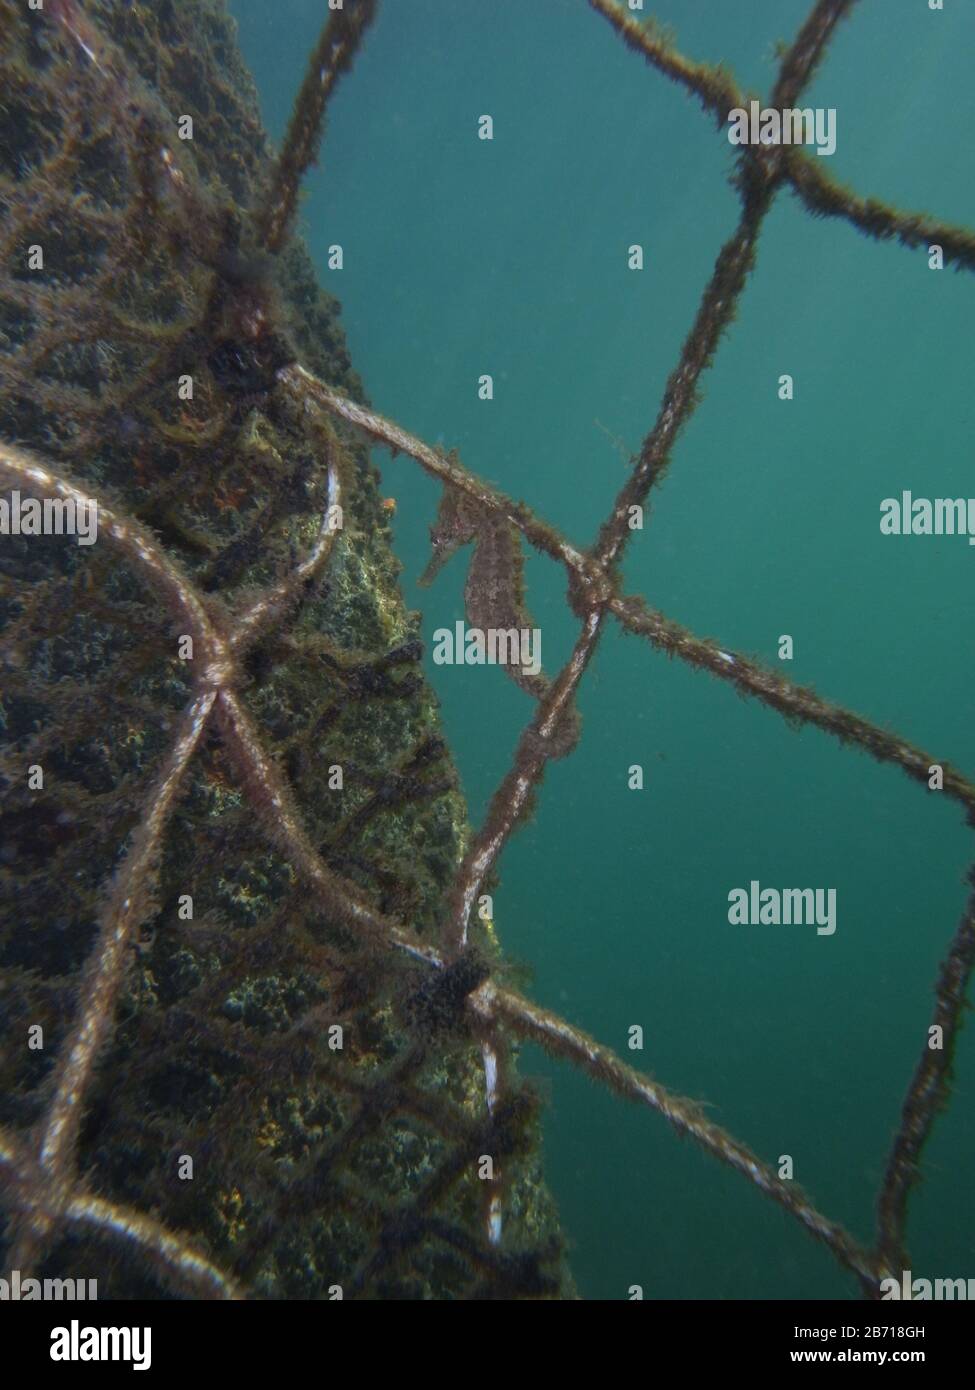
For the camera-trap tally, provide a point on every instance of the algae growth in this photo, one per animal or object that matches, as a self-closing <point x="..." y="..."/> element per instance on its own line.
<point x="276" y="1087"/>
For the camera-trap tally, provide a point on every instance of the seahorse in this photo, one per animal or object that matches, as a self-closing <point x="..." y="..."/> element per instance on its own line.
<point x="494" y="595"/>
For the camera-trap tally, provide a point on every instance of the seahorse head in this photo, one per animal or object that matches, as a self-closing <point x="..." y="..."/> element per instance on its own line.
<point x="456" y="525"/>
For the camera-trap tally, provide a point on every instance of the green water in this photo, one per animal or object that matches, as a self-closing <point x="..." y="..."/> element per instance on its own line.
<point x="509" y="257"/>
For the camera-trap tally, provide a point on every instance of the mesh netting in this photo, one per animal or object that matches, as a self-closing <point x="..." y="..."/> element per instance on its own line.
<point x="324" y="1031"/>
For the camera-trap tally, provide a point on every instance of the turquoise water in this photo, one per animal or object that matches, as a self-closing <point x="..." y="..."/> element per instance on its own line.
<point x="509" y="257"/>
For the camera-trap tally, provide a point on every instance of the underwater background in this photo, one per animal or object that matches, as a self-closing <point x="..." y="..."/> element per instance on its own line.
<point x="462" y="257"/>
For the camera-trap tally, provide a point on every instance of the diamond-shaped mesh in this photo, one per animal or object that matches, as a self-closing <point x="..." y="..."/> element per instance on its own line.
<point x="256" y="1037"/>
